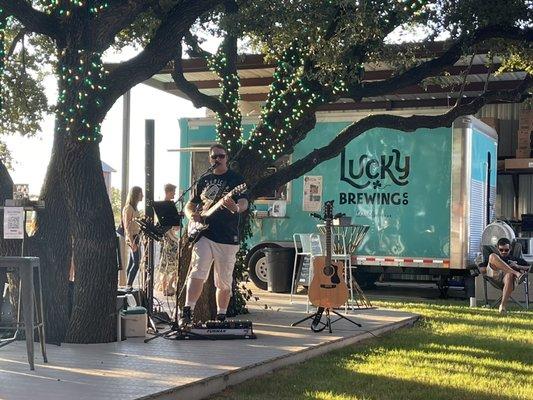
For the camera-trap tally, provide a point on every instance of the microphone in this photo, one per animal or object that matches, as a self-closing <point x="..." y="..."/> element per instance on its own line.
<point x="212" y="167"/>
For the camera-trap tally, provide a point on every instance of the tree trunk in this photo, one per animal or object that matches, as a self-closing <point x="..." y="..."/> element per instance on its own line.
<point x="94" y="245"/>
<point x="77" y="225"/>
<point x="53" y="246"/>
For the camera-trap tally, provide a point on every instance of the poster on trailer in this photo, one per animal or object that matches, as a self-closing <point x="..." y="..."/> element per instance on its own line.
<point x="312" y="199"/>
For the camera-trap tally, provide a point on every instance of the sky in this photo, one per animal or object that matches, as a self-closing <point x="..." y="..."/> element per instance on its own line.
<point x="31" y="155"/>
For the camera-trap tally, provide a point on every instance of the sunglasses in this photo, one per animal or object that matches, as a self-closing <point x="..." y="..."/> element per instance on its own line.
<point x="503" y="250"/>
<point x="215" y="156"/>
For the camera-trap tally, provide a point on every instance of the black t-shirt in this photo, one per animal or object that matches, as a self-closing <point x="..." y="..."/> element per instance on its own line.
<point x="223" y="224"/>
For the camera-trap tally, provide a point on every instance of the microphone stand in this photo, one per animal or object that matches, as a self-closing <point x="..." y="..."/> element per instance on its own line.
<point x="174" y="323"/>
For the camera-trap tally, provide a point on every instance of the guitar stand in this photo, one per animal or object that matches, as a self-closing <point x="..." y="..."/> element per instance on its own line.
<point x="318" y="326"/>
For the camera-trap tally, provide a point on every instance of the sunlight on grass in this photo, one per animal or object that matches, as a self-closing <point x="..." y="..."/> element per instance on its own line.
<point x="454" y="352"/>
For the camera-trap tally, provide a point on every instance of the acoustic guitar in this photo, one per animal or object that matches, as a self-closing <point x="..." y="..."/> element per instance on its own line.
<point x="195" y="230"/>
<point x="327" y="289"/>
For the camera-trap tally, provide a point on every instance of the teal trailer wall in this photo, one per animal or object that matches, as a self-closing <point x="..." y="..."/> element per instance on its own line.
<point x="482" y="146"/>
<point x="396" y="182"/>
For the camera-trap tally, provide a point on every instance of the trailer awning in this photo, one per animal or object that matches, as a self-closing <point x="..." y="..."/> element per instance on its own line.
<point x="256" y="76"/>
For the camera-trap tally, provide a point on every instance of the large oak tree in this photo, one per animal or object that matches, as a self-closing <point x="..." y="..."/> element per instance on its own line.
<point x="77" y="223"/>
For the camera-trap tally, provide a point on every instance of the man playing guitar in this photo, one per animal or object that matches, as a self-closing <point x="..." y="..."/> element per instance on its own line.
<point x="220" y="241"/>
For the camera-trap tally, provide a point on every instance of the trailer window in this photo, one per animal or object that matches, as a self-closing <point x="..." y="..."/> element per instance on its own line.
<point x="199" y="163"/>
<point x="283" y="192"/>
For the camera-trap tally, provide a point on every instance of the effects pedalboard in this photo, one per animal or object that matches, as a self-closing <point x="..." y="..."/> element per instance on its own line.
<point x="214" y="330"/>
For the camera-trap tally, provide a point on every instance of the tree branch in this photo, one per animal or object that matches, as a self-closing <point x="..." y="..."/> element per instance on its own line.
<point x="198" y="98"/>
<point x="194" y="47"/>
<point x="465" y="79"/>
<point x="157" y="54"/>
<point x="20" y="35"/>
<point x="406" y="124"/>
<point x="437" y="65"/>
<point x="33" y="20"/>
<point x="115" y="18"/>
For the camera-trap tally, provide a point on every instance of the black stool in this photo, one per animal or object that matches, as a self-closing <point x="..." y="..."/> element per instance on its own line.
<point x="30" y="303"/>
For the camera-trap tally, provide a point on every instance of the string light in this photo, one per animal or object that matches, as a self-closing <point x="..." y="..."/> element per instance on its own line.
<point x="291" y="95"/>
<point x="81" y="74"/>
<point x="65" y="8"/>
<point x="228" y="125"/>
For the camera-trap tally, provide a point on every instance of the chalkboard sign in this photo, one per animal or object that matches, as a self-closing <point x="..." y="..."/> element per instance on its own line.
<point x="303" y="276"/>
<point x="305" y="262"/>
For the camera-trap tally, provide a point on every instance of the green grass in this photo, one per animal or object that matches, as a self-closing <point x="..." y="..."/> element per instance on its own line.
<point x="453" y="352"/>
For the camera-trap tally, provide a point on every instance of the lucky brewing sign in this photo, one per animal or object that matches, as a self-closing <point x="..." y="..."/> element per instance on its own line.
<point x="385" y="174"/>
<point x="399" y="184"/>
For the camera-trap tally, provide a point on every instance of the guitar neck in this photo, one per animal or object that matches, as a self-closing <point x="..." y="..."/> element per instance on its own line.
<point x="328" y="241"/>
<point x="216" y="206"/>
<point x="212" y="209"/>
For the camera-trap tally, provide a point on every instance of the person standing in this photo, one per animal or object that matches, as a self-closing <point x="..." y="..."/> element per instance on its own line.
<point x="220" y="242"/>
<point x="131" y="232"/>
<point x="168" y="262"/>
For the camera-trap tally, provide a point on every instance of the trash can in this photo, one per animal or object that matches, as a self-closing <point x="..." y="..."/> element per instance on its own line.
<point x="279" y="265"/>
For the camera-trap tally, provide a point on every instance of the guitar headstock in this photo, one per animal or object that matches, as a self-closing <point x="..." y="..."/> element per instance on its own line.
<point x="239" y="189"/>
<point x="328" y="210"/>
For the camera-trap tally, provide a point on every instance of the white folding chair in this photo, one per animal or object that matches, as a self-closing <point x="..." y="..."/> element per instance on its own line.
<point x="302" y="246"/>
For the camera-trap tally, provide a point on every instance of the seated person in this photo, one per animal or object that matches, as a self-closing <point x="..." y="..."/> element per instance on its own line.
<point x="506" y="271"/>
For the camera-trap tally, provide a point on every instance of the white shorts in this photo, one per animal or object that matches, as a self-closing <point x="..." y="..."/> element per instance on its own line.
<point x="204" y="252"/>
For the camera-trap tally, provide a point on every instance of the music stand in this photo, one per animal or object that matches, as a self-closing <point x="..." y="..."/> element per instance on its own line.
<point x="167" y="214"/>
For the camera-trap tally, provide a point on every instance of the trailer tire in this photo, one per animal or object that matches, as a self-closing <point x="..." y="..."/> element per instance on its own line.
<point x="257" y="266"/>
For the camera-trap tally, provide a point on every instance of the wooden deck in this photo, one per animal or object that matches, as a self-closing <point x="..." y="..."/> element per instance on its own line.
<point x="169" y="369"/>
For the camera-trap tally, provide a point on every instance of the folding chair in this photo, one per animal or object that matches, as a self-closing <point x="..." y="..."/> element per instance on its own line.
<point x="516" y="251"/>
<point x="302" y="246"/>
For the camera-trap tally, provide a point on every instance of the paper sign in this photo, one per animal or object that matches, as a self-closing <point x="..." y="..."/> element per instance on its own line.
<point x="21" y="191"/>
<point x="312" y="200"/>
<point x="13" y="223"/>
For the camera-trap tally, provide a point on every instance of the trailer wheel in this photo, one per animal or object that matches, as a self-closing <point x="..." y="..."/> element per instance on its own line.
<point x="257" y="266"/>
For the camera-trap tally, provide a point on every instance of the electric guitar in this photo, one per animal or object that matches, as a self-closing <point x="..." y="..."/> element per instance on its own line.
<point x="195" y="230"/>
<point x="328" y="289"/>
